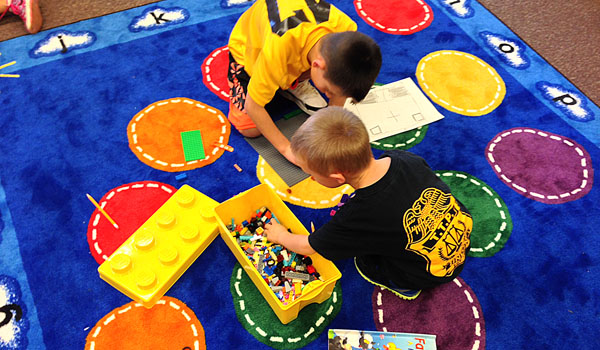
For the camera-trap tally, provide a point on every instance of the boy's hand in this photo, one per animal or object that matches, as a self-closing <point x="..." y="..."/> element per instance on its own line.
<point x="278" y="234"/>
<point x="266" y="126"/>
<point x="275" y="232"/>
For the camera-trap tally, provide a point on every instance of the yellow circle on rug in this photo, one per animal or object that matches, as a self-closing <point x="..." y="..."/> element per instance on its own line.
<point x="460" y="82"/>
<point x="307" y="193"/>
<point x="170" y="324"/>
<point x="154" y="133"/>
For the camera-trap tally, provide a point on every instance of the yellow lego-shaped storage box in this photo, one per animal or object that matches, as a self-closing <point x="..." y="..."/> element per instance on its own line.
<point x="147" y="264"/>
<point x="242" y="207"/>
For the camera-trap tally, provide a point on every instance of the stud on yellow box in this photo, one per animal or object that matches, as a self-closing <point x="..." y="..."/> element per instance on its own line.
<point x="149" y="262"/>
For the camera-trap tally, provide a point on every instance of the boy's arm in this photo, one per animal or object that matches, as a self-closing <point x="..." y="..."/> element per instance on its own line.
<point x="276" y="233"/>
<point x="264" y="123"/>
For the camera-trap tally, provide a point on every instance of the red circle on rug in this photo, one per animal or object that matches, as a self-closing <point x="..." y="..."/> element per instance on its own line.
<point x="214" y="72"/>
<point x="401" y="17"/>
<point x="450" y="311"/>
<point x="540" y="165"/>
<point x="129" y="206"/>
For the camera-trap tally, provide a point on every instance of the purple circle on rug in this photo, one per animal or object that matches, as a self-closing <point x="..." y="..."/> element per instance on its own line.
<point x="451" y="312"/>
<point x="542" y="166"/>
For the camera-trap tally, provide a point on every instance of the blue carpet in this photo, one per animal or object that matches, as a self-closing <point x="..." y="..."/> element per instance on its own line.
<point x="63" y="130"/>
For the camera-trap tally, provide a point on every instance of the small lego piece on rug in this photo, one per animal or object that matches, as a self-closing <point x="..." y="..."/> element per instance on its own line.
<point x="192" y="145"/>
<point x="223" y="146"/>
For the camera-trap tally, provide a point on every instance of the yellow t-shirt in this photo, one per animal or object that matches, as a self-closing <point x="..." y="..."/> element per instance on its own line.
<point x="272" y="40"/>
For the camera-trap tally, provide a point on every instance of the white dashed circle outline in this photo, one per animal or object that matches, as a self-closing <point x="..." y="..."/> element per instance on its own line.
<point x="427" y="10"/>
<point x="408" y="142"/>
<point x="110" y="196"/>
<point x="207" y="71"/>
<point x="128" y="307"/>
<point x="557" y="138"/>
<point x="496" y="199"/>
<point x="421" y="77"/>
<point x="196" y="104"/>
<point x="325" y="203"/>
<point x="273" y="338"/>
<point x="476" y="316"/>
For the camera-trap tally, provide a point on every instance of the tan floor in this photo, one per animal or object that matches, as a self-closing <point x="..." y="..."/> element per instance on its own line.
<point x="565" y="33"/>
<point x="57" y="13"/>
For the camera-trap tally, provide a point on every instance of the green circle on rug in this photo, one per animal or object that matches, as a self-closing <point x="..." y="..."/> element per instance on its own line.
<point x="257" y="317"/>
<point x="404" y="140"/>
<point x="492" y="225"/>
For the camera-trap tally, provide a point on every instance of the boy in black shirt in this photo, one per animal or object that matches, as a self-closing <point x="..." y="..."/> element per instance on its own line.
<point x="403" y="227"/>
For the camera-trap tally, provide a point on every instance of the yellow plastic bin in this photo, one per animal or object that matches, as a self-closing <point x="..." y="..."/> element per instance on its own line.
<point x="242" y="207"/>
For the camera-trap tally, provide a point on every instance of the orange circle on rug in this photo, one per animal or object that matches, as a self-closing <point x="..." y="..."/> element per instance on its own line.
<point x="460" y="82"/>
<point x="169" y="324"/>
<point x="130" y="205"/>
<point x="307" y="193"/>
<point x="154" y="134"/>
<point x="214" y="72"/>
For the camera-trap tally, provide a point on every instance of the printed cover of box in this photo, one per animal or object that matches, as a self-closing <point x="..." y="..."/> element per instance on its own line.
<point x="344" y="339"/>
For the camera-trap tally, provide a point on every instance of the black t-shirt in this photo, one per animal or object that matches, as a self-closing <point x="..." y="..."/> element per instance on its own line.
<point x="407" y="223"/>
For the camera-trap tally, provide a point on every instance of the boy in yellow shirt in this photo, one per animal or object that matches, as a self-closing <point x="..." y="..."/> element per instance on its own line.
<point x="278" y="45"/>
<point x="404" y="228"/>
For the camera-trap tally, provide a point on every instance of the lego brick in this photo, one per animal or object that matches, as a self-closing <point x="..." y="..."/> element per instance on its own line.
<point x="263" y="255"/>
<point x="296" y="275"/>
<point x="193" y="149"/>
<point x="149" y="262"/>
<point x="243" y="206"/>
<point x="289" y="173"/>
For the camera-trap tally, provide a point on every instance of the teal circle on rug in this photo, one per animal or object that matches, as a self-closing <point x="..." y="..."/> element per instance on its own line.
<point x="257" y="317"/>
<point x="404" y="140"/>
<point x="492" y="224"/>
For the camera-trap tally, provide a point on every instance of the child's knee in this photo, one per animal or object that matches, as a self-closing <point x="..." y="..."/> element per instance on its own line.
<point x="242" y="122"/>
<point x="250" y="132"/>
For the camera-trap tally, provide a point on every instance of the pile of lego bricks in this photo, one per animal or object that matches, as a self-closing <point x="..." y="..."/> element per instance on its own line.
<point x="286" y="272"/>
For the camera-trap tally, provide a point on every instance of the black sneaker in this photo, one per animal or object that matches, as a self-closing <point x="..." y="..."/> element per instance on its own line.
<point x="406" y="294"/>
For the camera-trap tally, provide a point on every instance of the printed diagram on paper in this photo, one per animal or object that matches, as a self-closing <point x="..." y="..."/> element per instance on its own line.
<point x="394" y="108"/>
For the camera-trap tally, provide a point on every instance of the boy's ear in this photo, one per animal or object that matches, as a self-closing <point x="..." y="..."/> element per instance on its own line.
<point x="319" y="62"/>
<point x="338" y="177"/>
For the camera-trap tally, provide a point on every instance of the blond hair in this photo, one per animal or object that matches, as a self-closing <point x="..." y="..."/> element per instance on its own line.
<point x="333" y="140"/>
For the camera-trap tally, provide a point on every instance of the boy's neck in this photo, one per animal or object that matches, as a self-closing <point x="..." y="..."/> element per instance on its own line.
<point x="376" y="169"/>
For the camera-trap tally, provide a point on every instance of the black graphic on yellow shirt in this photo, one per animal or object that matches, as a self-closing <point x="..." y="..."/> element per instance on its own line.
<point x="319" y="10"/>
<point x="438" y="231"/>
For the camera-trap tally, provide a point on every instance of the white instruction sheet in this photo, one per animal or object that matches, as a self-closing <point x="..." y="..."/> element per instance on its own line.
<point x="394" y="108"/>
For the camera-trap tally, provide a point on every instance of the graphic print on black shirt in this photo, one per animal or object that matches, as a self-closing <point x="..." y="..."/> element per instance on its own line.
<point x="438" y="231"/>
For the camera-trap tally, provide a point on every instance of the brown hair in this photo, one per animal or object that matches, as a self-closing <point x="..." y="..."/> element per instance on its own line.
<point x="333" y="140"/>
<point x="353" y="60"/>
